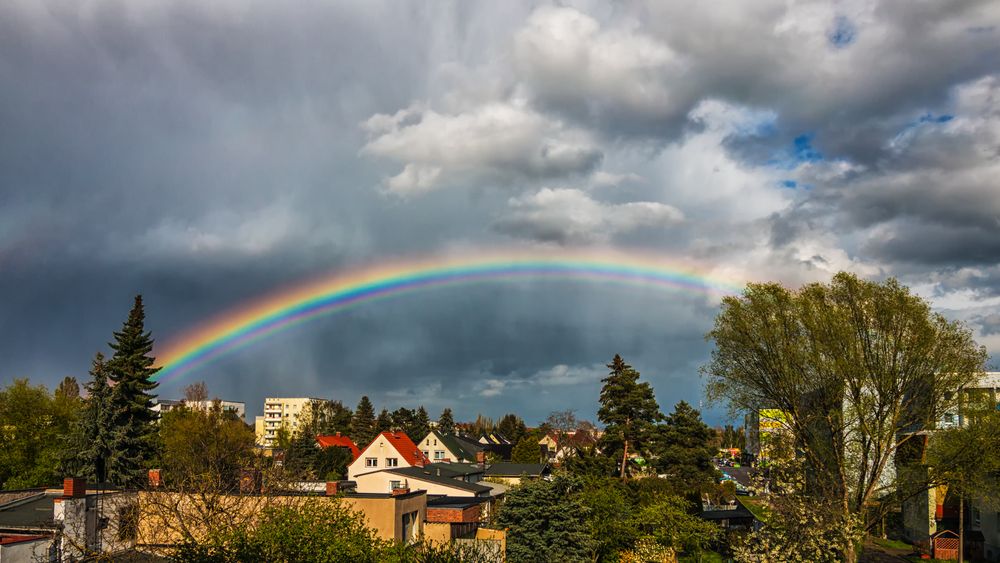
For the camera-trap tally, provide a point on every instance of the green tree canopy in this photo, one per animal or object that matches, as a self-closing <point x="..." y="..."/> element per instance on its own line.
<point x="363" y="424"/>
<point x="88" y="443"/>
<point x="133" y="428"/>
<point x="446" y="423"/>
<point x="683" y="449"/>
<point x="204" y="448"/>
<point x="32" y="426"/>
<point x="628" y="410"/>
<point x="512" y="427"/>
<point x="858" y="366"/>
<point x="545" y="521"/>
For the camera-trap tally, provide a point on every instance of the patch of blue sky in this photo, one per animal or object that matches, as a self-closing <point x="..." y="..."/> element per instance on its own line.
<point x="843" y="33"/>
<point x="907" y="132"/>
<point x="800" y="152"/>
<point x="931" y="118"/>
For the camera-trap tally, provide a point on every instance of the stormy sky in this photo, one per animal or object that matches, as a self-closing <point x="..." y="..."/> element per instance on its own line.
<point x="205" y="153"/>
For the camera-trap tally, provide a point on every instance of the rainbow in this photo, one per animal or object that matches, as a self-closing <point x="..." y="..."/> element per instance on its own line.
<point x="339" y="291"/>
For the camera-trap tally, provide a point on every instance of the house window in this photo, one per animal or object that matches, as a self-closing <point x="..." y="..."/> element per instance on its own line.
<point x="371" y="462"/>
<point x="427" y="454"/>
<point x="391" y="462"/>
<point x="438" y="454"/>
<point x="435" y="441"/>
<point x="393" y="485"/>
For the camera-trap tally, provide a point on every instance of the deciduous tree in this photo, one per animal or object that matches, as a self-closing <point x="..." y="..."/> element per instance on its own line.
<point x="858" y="366"/>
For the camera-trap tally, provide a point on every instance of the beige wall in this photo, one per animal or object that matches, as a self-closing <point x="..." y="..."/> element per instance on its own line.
<point x="385" y="515"/>
<point x="282" y="412"/>
<point x="380" y="481"/>
<point x="160" y="523"/>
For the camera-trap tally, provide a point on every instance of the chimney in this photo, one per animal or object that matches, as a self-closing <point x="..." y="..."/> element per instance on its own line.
<point x="154" y="478"/>
<point x="338" y="434"/>
<point x="74" y="487"/>
<point x="332" y="488"/>
<point x="402" y="491"/>
<point x="481" y="458"/>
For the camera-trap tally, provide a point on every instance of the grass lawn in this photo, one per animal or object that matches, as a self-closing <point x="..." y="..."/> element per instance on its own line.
<point x="755" y="506"/>
<point x="706" y="557"/>
<point x="894" y="544"/>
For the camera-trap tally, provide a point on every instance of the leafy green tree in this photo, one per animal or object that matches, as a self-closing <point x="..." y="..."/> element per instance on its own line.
<point x="512" y="427"/>
<point x="446" y="423"/>
<point x="32" y="424"/>
<point x="611" y="515"/>
<point x="587" y="462"/>
<point x="545" y="521"/>
<point x="318" y="530"/>
<point x="68" y="389"/>
<point x="133" y="423"/>
<point x="683" y="449"/>
<point x="527" y="450"/>
<point x="857" y="366"/>
<point x="88" y="443"/>
<point x="363" y="429"/>
<point x="667" y="519"/>
<point x="628" y="410"/>
<point x="333" y="417"/>
<point x="204" y="448"/>
<point x="965" y="458"/>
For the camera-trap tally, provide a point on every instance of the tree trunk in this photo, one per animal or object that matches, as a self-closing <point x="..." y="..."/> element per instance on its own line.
<point x="961" y="528"/>
<point x="624" y="459"/>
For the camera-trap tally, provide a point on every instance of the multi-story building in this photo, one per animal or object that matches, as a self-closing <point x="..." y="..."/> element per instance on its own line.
<point x="763" y="427"/>
<point x="287" y="413"/>
<point x="163" y="406"/>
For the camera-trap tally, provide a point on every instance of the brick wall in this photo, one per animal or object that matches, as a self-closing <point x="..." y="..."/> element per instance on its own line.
<point x="471" y="514"/>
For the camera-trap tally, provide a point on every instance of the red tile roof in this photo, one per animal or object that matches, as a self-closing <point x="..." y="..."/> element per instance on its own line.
<point x="6" y="539"/>
<point x="340" y="442"/>
<point x="405" y="446"/>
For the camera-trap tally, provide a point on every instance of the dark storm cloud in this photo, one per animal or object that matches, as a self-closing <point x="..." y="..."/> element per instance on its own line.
<point x="208" y="153"/>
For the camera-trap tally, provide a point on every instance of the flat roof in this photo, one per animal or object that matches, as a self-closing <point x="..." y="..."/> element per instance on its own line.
<point x="33" y="512"/>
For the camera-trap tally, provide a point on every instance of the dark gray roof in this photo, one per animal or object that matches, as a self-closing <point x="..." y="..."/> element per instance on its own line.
<point x="464" y="450"/>
<point x="516" y="469"/>
<point x="441" y="501"/>
<point x="455" y="469"/>
<point x="32" y="512"/>
<point x="441" y="478"/>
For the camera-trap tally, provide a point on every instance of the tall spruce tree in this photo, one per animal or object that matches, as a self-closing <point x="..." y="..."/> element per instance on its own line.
<point x="133" y="423"/>
<point x="363" y="423"/>
<point x="88" y="444"/>
<point x="384" y="422"/>
<point x="684" y="447"/>
<point x="628" y="409"/>
<point x="421" y="425"/>
<point x="446" y="423"/>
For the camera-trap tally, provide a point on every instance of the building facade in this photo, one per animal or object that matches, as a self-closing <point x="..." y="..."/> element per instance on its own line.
<point x="280" y="412"/>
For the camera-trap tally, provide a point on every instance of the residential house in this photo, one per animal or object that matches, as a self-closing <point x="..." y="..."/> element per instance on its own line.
<point x="514" y="473"/>
<point x="496" y="444"/>
<point x="338" y="441"/>
<point x="435" y="479"/>
<point x="64" y="524"/>
<point x="555" y="446"/>
<point x="448" y="447"/>
<point x="389" y="450"/>
<point x="928" y="512"/>
<point x="287" y="413"/>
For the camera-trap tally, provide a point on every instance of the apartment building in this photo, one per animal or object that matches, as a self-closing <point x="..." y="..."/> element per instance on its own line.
<point x="163" y="406"/>
<point x="289" y="413"/>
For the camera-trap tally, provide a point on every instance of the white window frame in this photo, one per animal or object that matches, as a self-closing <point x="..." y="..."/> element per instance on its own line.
<point x="392" y="462"/>
<point x="371" y="462"/>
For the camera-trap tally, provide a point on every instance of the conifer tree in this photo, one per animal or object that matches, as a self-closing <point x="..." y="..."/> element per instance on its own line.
<point x="88" y="444"/>
<point x="132" y="422"/>
<point x="628" y="409"/>
<point x="446" y="423"/>
<point x="684" y="449"/>
<point x="363" y="423"/>
<point x="384" y="422"/>
<point x="421" y="425"/>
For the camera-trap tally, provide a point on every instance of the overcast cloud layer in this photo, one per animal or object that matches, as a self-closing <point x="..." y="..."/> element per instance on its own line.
<point x="206" y="153"/>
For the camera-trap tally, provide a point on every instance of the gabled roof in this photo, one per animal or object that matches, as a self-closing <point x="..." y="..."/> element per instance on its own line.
<point x="439" y="477"/>
<point x="464" y="450"/>
<point x="404" y="445"/>
<point x="336" y="440"/>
